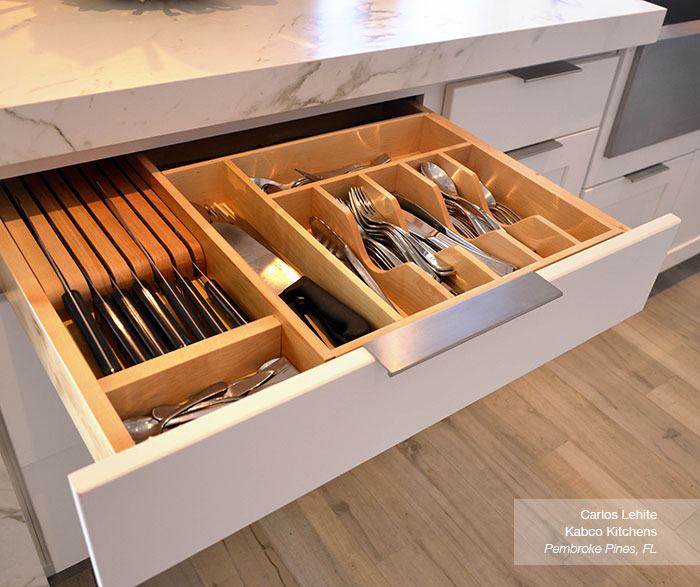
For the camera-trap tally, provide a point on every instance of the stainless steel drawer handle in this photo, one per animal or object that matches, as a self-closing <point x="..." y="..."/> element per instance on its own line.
<point x="545" y="71"/>
<point x="535" y="149"/>
<point x="647" y="172"/>
<point x="418" y="341"/>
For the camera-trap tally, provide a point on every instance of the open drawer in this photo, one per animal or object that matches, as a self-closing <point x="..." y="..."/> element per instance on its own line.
<point x="434" y="351"/>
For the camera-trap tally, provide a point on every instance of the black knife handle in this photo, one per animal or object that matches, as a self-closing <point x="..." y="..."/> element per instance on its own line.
<point x="340" y="322"/>
<point x="94" y="337"/>
<point x="149" y="337"/>
<point x="178" y="302"/>
<point x="130" y="344"/>
<point x="172" y="331"/>
<point x="226" y="303"/>
<point x="419" y="212"/>
<point x="197" y="300"/>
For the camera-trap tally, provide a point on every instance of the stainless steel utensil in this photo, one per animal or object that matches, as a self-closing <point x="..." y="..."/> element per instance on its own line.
<point x="380" y="160"/>
<point x="498" y="265"/>
<point x="268" y="373"/>
<point x="501" y="212"/>
<point x="142" y="427"/>
<point x="312" y="303"/>
<point x="480" y="220"/>
<point x="373" y="220"/>
<point x="266" y="184"/>
<point x="336" y="245"/>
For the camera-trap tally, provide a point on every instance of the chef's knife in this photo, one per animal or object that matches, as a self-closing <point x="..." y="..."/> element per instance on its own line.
<point x="305" y="297"/>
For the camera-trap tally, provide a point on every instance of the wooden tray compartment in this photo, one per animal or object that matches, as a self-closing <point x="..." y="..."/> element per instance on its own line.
<point x="514" y="185"/>
<point x="397" y="138"/>
<point x="220" y="181"/>
<point x="410" y="183"/>
<point x="471" y="272"/>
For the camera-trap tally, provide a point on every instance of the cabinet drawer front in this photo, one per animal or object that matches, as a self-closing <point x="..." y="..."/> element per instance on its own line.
<point x="566" y="164"/>
<point x="509" y="114"/>
<point x="201" y="482"/>
<point x="641" y="196"/>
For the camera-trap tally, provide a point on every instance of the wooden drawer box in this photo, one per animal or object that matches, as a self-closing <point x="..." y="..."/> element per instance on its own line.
<point x="349" y="402"/>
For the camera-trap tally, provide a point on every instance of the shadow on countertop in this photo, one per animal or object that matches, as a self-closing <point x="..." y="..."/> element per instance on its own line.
<point x="169" y="7"/>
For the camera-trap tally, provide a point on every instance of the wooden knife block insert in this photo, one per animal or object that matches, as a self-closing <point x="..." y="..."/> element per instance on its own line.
<point x="77" y="214"/>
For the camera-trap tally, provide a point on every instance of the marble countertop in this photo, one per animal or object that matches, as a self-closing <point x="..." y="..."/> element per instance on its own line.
<point x="86" y="75"/>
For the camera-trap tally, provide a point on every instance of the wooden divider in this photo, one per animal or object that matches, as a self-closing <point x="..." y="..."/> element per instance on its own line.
<point x="108" y="253"/>
<point x="173" y="377"/>
<point x="109" y="223"/>
<point x="56" y="249"/>
<point x="397" y="138"/>
<point x="83" y="254"/>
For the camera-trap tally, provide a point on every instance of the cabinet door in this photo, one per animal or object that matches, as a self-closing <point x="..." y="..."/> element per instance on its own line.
<point x="687" y="207"/>
<point x="563" y="160"/>
<point x="641" y="196"/>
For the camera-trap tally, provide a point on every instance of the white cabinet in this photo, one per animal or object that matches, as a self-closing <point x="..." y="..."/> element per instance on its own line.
<point x="563" y="160"/>
<point x="687" y="208"/>
<point x="45" y="443"/>
<point x="640" y="196"/>
<point x="509" y="113"/>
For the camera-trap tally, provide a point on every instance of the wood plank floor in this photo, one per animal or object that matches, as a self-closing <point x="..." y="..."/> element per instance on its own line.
<point x="618" y="416"/>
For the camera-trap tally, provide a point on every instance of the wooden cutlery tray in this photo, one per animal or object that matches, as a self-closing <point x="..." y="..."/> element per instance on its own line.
<point x="555" y="224"/>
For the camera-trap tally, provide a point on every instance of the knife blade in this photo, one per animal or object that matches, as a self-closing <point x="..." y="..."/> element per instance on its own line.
<point x="304" y="296"/>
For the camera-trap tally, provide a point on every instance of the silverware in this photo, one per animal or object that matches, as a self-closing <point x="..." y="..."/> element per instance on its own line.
<point x="142" y="427"/>
<point x="494" y="263"/>
<point x="501" y="212"/>
<point x="322" y="312"/>
<point x="279" y="369"/>
<point x="336" y="245"/>
<point x="266" y="184"/>
<point x="480" y="220"/>
<point x="381" y="160"/>
<point x="372" y="220"/>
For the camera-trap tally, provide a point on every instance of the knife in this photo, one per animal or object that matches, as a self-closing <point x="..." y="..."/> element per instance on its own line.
<point x="309" y="301"/>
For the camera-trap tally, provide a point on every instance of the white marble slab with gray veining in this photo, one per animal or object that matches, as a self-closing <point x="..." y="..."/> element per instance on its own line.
<point x="86" y="74"/>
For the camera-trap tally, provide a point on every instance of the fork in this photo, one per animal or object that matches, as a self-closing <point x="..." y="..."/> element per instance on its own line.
<point x="370" y="213"/>
<point x="330" y="239"/>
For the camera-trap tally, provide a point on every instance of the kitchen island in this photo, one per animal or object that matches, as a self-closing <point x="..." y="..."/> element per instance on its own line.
<point x="93" y="79"/>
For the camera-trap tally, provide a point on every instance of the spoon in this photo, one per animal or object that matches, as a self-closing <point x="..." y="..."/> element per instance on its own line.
<point x="439" y="176"/>
<point x="264" y="183"/>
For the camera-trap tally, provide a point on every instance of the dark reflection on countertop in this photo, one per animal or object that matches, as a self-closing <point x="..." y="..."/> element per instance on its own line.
<point x="169" y="7"/>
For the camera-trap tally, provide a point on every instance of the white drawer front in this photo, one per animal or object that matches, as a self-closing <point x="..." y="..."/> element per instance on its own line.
<point x="153" y="505"/>
<point x="635" y="199"/>
<point x="509" y="113"/>
<point x="563" y="160"/>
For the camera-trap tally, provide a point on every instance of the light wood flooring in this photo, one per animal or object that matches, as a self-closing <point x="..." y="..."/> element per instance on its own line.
<point x="618" y="416"/>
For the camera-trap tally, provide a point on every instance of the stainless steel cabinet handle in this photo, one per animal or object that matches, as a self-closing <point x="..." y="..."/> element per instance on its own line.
<point x="536" y="149"/>
<point x="647" y="172"/>
<point x="418" y="341"/>
<point x="545" y="71"/>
